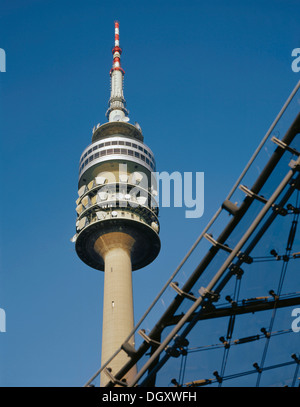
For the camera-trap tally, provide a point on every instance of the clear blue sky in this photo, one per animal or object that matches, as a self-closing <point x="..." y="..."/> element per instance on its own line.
<point x="205" y="79"/>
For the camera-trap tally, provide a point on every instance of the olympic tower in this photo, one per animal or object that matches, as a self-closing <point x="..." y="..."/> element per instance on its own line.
<point x="117" y="216"/>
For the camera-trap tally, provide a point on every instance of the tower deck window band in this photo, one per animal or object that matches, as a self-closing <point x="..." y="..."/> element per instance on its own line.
<point x="103" y="150"/>
<point x="117" y="217"/>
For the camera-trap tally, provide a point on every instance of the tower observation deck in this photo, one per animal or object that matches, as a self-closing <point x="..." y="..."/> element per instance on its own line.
<point x="117" y="215"/>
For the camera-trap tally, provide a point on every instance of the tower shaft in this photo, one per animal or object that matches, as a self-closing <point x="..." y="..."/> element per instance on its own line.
<point x="118" y="320"/>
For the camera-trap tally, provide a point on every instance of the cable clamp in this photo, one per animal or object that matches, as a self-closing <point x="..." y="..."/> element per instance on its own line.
<point x="108" y="373"/>
<point x="182" y="293"/>
<point x="217" y="244"/>
<point x="252" y="194"/>
<point x="146" y="338"/>
<point x="283" y="145"/>
<point x="295" y="164"/>
<point x="210" y="295"/>
<point x="129" y="349"/>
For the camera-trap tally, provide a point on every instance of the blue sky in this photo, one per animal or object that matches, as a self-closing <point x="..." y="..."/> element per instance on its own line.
<point x="205" y="79"/>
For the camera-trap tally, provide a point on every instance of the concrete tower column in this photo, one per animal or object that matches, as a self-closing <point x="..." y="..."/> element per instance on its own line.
<point x="118" y="320"/>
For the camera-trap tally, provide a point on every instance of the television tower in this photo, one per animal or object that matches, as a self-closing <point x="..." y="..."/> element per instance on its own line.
<point x="117" y="216"/>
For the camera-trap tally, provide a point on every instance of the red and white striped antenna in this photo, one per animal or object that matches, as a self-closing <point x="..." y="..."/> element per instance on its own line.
<point x="117" y="51"/>
<point x="117" y="33"/>
<point x="117" y="105"/>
